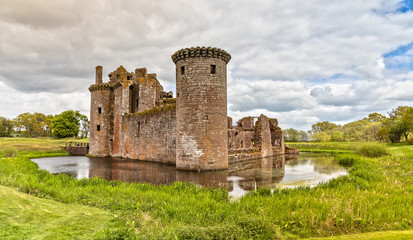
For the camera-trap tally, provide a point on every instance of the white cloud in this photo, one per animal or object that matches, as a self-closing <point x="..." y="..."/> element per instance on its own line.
<point x="299" y="61"/>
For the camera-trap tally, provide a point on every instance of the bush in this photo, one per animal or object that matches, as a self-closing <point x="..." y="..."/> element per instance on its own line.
<point x="372" y="150"/>
<point x="11" y="152"/>
<point x="410" y="141"/>
<point x="346" y="159"/>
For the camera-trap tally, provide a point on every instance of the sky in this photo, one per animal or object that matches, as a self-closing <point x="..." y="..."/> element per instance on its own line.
<point x="298" y="61"/>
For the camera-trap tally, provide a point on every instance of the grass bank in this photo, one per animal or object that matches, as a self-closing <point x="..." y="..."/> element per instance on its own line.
<point x="23" y="216"/>
<point x="375" y="196"/>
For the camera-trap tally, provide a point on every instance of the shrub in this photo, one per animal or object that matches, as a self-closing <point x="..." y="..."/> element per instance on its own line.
<point x="410" y="141"/>
<point x="346" y="159"/>
<point x="372" y="150"/>
<point x="11" y="152"/>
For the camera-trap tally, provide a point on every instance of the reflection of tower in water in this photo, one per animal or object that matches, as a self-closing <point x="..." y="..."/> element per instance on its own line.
<point x="101" y="167"/>
<point x="248" y="175"/>
<point x="260" y="172"/>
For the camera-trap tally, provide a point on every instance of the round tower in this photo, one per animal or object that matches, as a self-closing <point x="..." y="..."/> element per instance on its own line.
<point x="100" y="117"/>
<point x="201" y="108"/>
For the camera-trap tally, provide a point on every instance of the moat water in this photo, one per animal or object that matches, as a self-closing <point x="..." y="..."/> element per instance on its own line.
<point x="274" y="172"/>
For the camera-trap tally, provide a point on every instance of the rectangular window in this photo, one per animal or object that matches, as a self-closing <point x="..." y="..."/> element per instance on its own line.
<point x="99" y="110"/>
<point x="139" y="128"/>
<point x="98" y="128"/>
<point x="182" y="70"/>
<point x="213" y="69"/>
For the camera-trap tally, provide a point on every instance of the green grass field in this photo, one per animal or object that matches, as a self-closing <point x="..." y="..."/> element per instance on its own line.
<point x="374" y="201"/>
<point x="23" y="216"/>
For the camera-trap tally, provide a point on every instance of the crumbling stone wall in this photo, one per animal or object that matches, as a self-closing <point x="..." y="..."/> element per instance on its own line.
<point x="277" y="137"/>
<point x="201" y="115"/>
<point x="262" y="136"/>
<point x="148" y="92"/>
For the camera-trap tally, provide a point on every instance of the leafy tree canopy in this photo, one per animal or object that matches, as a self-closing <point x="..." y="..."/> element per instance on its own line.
<point x="66" y="124"/>
<point x="6" y="127"/>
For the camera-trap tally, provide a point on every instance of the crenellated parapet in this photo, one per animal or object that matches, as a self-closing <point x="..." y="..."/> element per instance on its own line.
<point x="100" y="86"/>
<point x="201" y="52"/>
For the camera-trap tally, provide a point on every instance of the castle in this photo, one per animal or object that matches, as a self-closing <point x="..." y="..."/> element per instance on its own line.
<point x="131" y="116"/>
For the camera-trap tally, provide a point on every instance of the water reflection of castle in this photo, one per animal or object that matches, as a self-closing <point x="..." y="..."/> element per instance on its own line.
<point x="260" y="172"/>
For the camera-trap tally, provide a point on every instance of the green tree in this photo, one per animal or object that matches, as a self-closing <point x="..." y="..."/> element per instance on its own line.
<point x="32" y="125"/>
<point x="375" y="117"/>
<point x="291" y="135"/>
<point x="6" y="127"/>
<point x="65" y="124"/>
<point x="337" y="136"/>
<point x="399" y="124"/>
<point x="84" y="124"/>
<point x="320" y="137"/>
<point x="323" y="126"/>
<point x="304" y="136"/>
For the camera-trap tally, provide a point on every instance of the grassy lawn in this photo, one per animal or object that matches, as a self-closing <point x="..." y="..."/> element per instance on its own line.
<point x="25" y="145"/>
<point x="393" y="235"/>
<point x="23" y="216"/>
<point x="376" y="196"/>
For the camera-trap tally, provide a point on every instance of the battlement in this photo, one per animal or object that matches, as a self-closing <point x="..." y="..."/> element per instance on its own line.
<point x="201" y="52"/>
<point x="100" y="86"/>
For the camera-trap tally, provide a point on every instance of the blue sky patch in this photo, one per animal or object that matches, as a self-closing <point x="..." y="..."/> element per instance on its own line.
<point x="406" y="6"/>
<point x="400" y="58"/>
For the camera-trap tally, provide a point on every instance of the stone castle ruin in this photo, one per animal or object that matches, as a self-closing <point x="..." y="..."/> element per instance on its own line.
<point x="133" y="117"/>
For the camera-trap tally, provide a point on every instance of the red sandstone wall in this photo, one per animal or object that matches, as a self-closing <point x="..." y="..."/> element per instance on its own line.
<point x="150" y="136"/>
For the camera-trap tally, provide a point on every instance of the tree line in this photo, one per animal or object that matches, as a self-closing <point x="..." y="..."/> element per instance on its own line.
<point x="395" y="127"/>
<point x="66" y="124"/>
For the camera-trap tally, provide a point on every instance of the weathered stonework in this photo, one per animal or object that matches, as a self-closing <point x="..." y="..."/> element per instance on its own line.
<point x="132" y="117"/>
<point x="201" y="93"/>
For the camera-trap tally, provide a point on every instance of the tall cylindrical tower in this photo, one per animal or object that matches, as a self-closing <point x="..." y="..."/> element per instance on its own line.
<point x="100" y="117"/>
<point x="201" y="110"/>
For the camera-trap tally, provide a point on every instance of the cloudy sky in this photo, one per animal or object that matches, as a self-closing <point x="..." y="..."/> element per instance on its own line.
<point x="299" y="61"/>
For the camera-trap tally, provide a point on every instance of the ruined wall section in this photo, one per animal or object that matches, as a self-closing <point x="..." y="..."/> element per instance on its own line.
<point x="239" y="138"/>
<point x="201" y="93"/>
<point x="262" y="136"/>
<point x="148" y="94"/>
<point x="150" y="135"/>
<point x="277" y="137"/>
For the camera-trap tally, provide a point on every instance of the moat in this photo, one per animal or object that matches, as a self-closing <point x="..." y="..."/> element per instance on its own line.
<point x="274" y="172"/>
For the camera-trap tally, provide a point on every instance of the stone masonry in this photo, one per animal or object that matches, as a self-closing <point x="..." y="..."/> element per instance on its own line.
<point x="133" y="117"/>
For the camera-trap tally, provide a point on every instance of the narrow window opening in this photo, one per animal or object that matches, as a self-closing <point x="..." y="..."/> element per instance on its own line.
<point x="213" y="69"/>
<point x="139" y="128"/>
<point x="100" y="110"/>
<point x="177" y="94"/>
<point x="182" y="70"/>
<point x="137" y="102"/>
<point x="128" y="77"/>
<point x="98" y="128"/>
